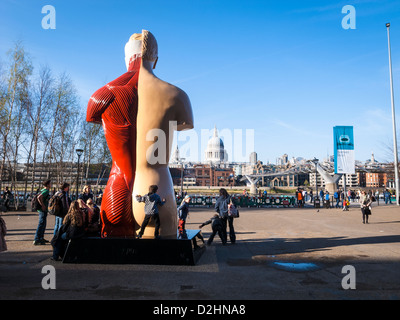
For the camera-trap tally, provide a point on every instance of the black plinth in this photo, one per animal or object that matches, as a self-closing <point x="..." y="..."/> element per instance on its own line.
<point x="137" y="251"/>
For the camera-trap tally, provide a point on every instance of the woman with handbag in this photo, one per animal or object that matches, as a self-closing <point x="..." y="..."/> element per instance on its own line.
<point x="221" y="206"/>
<point x="365" y="206"/>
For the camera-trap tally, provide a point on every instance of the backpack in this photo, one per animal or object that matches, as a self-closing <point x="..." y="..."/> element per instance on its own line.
<point x="55" y="205"/>
<point x="35" y="203"/>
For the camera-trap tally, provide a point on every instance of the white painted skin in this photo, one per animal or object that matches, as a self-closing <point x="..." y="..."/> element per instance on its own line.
<point x="133" y="48"/>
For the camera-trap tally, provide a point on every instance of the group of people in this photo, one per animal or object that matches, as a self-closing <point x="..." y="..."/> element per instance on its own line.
<point x="219" y="221"/>
<point x="352" y="195"/>
<point x="300" y="196"/>
<point x="365" y="199"/>
<point x="73" y="219"/>
<point x="81" y="217"/>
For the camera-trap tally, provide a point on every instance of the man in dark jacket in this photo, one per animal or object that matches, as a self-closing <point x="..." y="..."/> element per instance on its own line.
<point x="7" y="196"/>
<point x="65" y="202"/>
<point x="217" y="226"/>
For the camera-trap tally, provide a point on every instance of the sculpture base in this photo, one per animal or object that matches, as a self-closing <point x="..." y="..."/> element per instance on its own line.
<point x="165" y="251"/>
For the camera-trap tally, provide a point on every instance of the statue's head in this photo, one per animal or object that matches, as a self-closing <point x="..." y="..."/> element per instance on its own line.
<point x="143" y="45"/>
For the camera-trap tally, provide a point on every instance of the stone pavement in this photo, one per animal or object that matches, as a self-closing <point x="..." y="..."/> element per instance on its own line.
<point x="252" y="269"/>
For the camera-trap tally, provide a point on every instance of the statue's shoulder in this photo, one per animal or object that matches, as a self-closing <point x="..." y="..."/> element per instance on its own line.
<point x="175" y="93"/>
<point x="180" y="102"/>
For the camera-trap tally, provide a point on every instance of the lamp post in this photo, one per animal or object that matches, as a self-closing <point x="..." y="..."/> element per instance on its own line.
<point x="396" y="172"/>
<point x="315" y="161"/>
<point x="79" y="153"/>
<point x="182" y="169"/>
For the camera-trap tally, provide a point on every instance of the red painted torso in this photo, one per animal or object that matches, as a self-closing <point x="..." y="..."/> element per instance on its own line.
<point x="115" y="105"/>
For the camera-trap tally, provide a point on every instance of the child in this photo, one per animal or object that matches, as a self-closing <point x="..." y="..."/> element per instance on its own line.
<point x="151" y="200"/>
<point x="217" y="225"/>
<point x="346" y="204"/>
<point x="183" y="211"/>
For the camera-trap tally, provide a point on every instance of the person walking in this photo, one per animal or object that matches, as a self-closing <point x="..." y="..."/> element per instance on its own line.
<point x="336" y="196"/>
<point x="342" y="196"/>
<point x="65" y="203"/>
<point x="327" y="201"/>
<point x="365" y="206"/>
<point x="183" y="212"/>
<point x="387" y="196"/>
<point x="43" y="200"/>
<point x="377" y="196"/>
<point x="152" y="200"/>
<point x="353" y="196"/>
<point x="217" y="226"/>
<point x="221" y="206"/>
<point x="300" y="198"/>
<point x="305" y="196"/>
<point x="7" y="196"/>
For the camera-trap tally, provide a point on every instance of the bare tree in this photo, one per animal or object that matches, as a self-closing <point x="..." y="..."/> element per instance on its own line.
<point x="41" y="125"/>
<point x="13" y="105"/>
<point x="42" y="96"/>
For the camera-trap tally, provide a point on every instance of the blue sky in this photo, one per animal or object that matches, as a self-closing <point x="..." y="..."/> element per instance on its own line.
<point x="286" y="69"/>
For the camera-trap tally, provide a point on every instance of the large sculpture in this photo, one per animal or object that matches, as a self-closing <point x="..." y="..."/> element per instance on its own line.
<point x="132" y="108"/>
<point x="330" y="181"/>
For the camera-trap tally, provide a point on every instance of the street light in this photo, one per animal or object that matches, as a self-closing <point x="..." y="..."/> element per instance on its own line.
<point x="315" y="161"/>
<point x="396" y="168"/>
<point x="79" y="153"/>
<point x="182" y="168"/>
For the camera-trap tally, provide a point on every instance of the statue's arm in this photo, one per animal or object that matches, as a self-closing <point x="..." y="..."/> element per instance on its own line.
<point x="185" y="113"/>
<point x="98" y="103"/>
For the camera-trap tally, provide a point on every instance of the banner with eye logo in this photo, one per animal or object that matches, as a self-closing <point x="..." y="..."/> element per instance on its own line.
<point x="343" y="145"/>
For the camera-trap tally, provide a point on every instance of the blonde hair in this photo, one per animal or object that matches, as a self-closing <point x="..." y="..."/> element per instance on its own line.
<point x="149" y="45"/>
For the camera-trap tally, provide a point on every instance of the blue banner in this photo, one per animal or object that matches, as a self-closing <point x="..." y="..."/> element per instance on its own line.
<point x="343" y="146"/>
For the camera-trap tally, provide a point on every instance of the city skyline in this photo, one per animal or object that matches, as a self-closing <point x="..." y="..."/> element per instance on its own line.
<point x="288" y="71"/>
<point x="251" y="157"/>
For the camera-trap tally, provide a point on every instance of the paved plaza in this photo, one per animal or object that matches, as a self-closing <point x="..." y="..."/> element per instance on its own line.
<point x="263" y="264"/>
